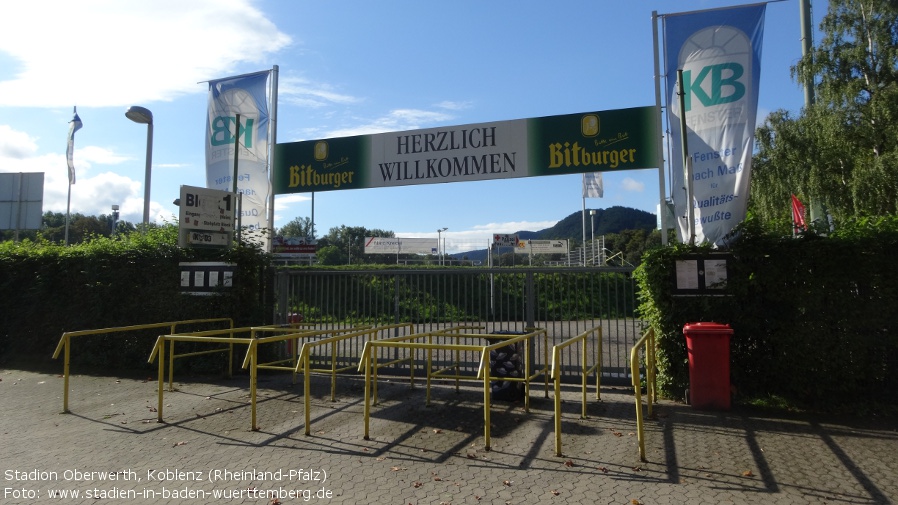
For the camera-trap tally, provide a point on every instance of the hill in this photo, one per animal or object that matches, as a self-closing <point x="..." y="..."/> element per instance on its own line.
<point x="611" y="220"/>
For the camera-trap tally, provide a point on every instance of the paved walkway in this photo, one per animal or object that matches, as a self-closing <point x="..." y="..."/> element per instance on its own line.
<point x="110" y="449"/>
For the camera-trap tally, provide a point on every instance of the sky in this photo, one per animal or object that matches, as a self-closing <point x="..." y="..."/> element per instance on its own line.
<point x="345" y="68"/>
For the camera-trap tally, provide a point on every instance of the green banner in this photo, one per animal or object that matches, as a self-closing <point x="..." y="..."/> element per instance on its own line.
<point x="623" y="139"/>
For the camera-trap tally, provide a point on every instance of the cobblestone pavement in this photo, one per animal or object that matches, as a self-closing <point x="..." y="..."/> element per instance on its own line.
<point x="111" y="449"/>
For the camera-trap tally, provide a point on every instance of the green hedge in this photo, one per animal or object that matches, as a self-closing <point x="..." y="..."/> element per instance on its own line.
<point x="813" y="317"/>
<point x="47" y="289"/>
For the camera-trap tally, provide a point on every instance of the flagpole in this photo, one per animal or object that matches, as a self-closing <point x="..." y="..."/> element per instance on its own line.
<point x="662" y="196"/>
<point x="74" y="125"/>
<point x="68" y="207"/>
<point x="687" y="161"/>
<point x="583" y="246"/>
<point x="272" y="141"/>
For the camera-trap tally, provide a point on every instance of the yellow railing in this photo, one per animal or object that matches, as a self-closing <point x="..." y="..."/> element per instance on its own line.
<point x="584" y="360"/>
<point x="203" y="336"/>
<point x="408" y="342"/>
<point x="299" y="361"/>
<point x="65" y="343"/>
<point x="305" y="359"/>
<point x="226" y="336"/>
<point x="647" y="341"/>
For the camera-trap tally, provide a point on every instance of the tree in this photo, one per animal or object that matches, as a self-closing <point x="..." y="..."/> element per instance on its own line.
<point x="842" y="150"/>
<point x="349" y="244"/>
<point x="298" y="227"/>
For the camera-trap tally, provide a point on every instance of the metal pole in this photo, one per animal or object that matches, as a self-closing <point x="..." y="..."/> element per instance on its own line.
<point x="68" y="215"/>
<point x="662" y="197"/>
<point x="687" y="161"/>
<point x="272" y="141"/>
<point x="817" y="210"/>
<point x="236" y="164"/>
<point x="146" y="184"/>
<point x="583" y="247"/>
<point x="592" y="226"/>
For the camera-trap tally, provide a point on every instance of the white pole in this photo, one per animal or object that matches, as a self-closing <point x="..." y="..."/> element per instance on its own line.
<point x="583" y="244"/>
<point x="272" y="140"/>
<point x="68" y="216"/>
<point x="662" y="197"/>
<point x="687" y="161"/>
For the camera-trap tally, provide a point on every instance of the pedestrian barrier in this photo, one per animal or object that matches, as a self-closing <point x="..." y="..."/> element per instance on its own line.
<point x="215" y="337"/>
<point x="648" y="342"/>
<point x="585" y="371"/>
<point x="411" y="344"/>
<point x="302" y="362"/>
<point x="65" y="343"/>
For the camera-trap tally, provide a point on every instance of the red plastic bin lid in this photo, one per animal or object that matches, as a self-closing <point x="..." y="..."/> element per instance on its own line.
<point x="707" y="328"/>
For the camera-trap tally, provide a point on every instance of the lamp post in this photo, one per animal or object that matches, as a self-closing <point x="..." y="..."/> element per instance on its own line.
<point x="114" y="218"/>
<point x="439" y="237"/>
<point x="144" y="116"/>
<point x="592" y="228"/>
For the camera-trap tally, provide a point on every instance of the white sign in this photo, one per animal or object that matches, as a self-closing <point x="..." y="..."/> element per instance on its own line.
<point x="294" y="247"/>
<point x="21" y="201"/>
<point x="207" y="238"/>
<point x="384" y="245"/>
<point x="206" y="210"/>
<point x="542" y="247"/>
<point x="505" y="240"/>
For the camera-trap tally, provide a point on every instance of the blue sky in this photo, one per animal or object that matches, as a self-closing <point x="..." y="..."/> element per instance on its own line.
<point x="346" y="68"/>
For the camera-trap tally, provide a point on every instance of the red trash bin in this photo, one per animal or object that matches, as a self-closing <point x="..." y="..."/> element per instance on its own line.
<point x="708" y="345"/>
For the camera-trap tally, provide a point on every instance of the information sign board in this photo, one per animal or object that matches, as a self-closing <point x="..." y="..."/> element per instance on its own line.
<point x="505" y="240"/>
<point x="209" y="211"/>
<point x="542" y="247"/>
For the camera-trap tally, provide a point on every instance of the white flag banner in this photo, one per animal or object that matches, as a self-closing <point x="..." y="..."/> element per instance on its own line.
<point x="247" y="96"/>
<point x="719" y="52"/>
<point x="74" y="125"/>
<point x="592" y="185"/>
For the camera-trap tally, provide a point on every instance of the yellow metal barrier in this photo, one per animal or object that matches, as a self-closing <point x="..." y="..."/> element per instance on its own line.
<point x="305" y="358"/>
<point x="408" y="342"/>
<point x="65" y="343"/>
<point x="647" y="341"/>
<point x="291" y="332"/>
<point x="293" y="338"/>
<point x="208" y="337"/>
<point x="216" y="336"/>
<point x="556" y="375"/>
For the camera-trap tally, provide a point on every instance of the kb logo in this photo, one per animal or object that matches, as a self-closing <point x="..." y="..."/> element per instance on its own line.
<point x="221" y="131"/>
<point x="724" y="85"/>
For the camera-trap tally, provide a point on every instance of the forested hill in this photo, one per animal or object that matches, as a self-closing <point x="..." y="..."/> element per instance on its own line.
<point x="610" y="220"/>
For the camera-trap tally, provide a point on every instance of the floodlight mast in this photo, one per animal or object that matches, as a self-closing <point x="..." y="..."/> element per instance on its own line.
<point x="142" y="115"/>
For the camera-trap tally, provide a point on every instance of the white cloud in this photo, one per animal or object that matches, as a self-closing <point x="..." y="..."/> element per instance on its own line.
<point x="15" y="144"/>
<point x="447" y="104"/>
<point x="396" y="120"/>
<point x="630" y="184"/>
<point x="64" y="46"/>
<point x="301" y="92"/>
<point x="92" y="194"/>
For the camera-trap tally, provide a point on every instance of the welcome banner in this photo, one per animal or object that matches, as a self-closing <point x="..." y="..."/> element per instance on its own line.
<point x="719" y="52"/>
<point x="246" y="95"/>
<point x="621" y="139"/>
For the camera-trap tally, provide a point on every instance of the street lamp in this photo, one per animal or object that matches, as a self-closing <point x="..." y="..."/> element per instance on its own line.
<point x="114" y="218"/>
<point x="439" y="237"/>
<point x="144" y="116"/>
<point x="592" y="228"/>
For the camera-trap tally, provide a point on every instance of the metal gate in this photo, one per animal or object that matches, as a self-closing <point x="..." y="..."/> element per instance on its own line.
<point x="565" y="301"/>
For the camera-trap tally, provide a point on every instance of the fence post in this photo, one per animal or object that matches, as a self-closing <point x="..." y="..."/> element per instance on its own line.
<point x="530" y="296"/>
<point x="283" y="287"/>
